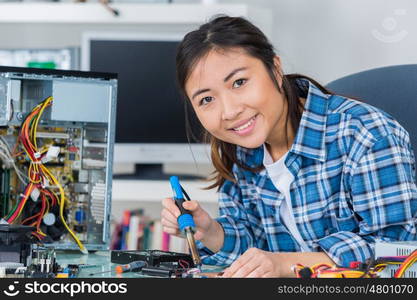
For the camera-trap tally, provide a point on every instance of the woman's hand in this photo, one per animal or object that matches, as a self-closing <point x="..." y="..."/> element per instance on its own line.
<point x="205" y="225"/>
<point x="255" y="263"/>
<point x="259" y="263"/>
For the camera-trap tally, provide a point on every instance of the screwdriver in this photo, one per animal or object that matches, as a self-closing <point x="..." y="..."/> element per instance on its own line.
<point x="134" y="266"/>
<point x="185" y="220"/>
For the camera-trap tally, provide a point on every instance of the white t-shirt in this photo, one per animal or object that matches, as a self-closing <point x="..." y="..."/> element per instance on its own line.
<point x="282" y="178"/>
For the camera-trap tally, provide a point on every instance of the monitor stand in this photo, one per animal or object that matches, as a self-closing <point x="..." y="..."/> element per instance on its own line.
<point x="154" y="172"/>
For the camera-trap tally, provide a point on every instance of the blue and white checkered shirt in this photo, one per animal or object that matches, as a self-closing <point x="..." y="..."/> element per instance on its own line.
<point x="354" y="184"/>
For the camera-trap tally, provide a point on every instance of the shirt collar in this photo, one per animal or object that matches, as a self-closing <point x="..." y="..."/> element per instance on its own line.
<point x="310" y="138"/>
<point x="268" y="160"/>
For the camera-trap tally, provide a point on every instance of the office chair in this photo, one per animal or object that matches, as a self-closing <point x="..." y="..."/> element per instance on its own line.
<point x="392" y="89"/>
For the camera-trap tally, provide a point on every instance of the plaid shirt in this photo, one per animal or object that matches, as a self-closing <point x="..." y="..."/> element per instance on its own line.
<point x="354" y="184"/>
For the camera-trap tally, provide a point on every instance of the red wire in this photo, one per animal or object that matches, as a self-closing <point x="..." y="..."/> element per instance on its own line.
<point x="25" y="138"/>
<point x="17" y="209"/>
<point x="37" y="235"/>
<point x="22" y="202"/>
<point x="51" y="195"/>
<point x="30" y="218"/>
<point x="412" y="256"/>
<point x="181" y="263"/>
<point x="42" y="211"/>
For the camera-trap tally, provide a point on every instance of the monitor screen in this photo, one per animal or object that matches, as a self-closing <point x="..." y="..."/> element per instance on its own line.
<point x="149" y="107"/>
<point x="150" y="121"/>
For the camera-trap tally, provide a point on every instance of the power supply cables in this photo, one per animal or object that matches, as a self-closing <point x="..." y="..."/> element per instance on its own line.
<point x="40" y="177"/>
<point x="408" y="262"/>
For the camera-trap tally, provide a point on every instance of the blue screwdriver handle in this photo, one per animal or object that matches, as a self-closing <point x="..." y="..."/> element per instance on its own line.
<point x="185" y="220"/>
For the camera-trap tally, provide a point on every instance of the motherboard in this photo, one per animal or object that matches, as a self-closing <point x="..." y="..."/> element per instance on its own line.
<point x="56" y="151"/>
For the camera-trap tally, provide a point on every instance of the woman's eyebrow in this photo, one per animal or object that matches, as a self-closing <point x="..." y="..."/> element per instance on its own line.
<point x="199" y="92"/>
<point x="231" y="74"/>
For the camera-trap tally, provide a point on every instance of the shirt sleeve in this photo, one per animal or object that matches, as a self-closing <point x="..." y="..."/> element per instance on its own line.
<point x="383" y="201"/>
<point x="238" y="234"/>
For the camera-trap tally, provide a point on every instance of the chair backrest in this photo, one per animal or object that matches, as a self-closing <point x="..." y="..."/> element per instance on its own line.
<point x="392" y="89"/>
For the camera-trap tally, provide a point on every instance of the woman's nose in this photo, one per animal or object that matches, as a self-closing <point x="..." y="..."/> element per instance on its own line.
<point x="232" y="108"/>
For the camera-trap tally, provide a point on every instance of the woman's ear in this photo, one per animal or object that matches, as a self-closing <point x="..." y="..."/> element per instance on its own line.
<point x="278" y="71"/>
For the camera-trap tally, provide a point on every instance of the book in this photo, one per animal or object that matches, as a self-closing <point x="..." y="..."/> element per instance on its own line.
<point x="165" y="241"/>
<point x="156" y="243"/>
<point x="125" y="229"/>
<point x="177" y="244"/>
<point x="134" y="232"/>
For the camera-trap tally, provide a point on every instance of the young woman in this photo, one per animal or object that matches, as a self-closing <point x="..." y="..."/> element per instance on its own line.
<point x="304" y="176"/>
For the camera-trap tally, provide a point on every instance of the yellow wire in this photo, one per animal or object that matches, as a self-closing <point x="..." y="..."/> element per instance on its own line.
<point x="51" y="181"/>
<point x="405" y="267"/>
<point x="347" y="274"/>
<point x="35" y="126"/>
<point x="49" y="175"/>
<point x="31" y="130"/>
<point x="28" y="121"/>
<point x="37" y="117"/>
<point x="56" y="197"/>
<point x="35" y="166"/>
<point x="324" y="265"/>
<point x="61" y="208"/>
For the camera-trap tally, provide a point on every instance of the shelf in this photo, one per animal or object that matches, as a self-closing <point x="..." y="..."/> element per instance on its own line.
<point x="57" y="25"/>
<point x="155" y="191"/>
<point x="129" y="13"/>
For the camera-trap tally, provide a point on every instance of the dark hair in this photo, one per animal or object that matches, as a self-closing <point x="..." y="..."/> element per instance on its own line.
<point x="224" y="32"/>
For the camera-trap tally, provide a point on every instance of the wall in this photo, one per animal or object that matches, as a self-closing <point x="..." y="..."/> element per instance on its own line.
<point x="327" y="39"/>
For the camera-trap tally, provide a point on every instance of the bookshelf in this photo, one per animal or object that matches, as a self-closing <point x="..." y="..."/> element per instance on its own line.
<point x="128" y="195"/>
<point x="156" y="190"/>
<point x="148" y="195"/>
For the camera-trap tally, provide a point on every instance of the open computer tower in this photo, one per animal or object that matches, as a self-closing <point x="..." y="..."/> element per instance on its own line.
<point x="57" y="133"/>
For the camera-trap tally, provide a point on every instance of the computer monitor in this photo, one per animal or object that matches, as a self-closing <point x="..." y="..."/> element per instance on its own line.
<point x="150" y="125"/>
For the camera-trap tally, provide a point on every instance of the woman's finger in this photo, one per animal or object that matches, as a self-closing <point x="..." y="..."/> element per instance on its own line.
<point x="268" y="275"/>
<point x="239" y="263"/>
<point x="166" y="214"/>
<point x="169" y="204"/>
<point x="168" y="223"/>
<point x="257" y="273"/>
<point x="198" y="235"/>
<point x="247" y="267"/>
<point x="170" y="230"/>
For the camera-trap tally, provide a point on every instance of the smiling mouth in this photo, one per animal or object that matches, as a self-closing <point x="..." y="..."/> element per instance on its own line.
<point x="246" y="125"/>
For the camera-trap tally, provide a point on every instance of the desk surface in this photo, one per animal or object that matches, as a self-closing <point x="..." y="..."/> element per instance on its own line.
<point x="98" y="265"/>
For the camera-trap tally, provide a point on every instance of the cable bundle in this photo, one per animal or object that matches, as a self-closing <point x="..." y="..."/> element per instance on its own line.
<point x="357" y="270"/>
<point x="39" y="177"/>
<point x="408" y="262"/>
<point x="382" y="262"/>
<point x="331" y="271"/>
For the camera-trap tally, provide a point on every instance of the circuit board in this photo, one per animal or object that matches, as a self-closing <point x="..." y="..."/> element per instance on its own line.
<point x="56" y="146"/>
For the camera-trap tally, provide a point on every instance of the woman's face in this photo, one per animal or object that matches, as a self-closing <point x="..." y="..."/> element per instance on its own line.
<point x="235" y="99"/>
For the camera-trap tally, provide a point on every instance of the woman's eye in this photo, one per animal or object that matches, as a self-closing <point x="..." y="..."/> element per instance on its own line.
<point x="206" y="100"/>
<point x="239" y="82"/>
